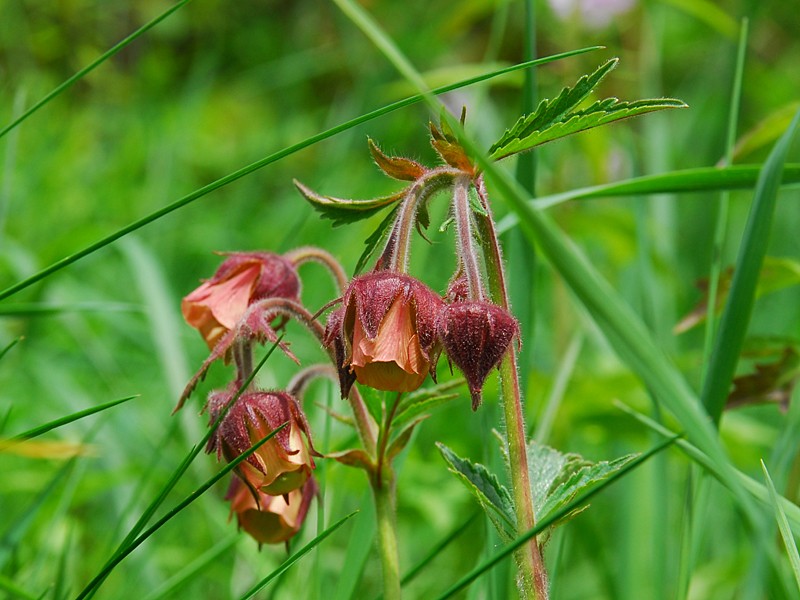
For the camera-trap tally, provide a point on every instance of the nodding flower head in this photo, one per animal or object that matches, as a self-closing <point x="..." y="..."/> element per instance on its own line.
<point x="280" y="465"/>
<point x="270" y="519"/>
<point x="384" y="334"/>
<point x="216" y="306"/>
<point x="475" y="336"/>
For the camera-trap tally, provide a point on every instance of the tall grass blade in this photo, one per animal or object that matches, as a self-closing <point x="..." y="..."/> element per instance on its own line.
<point x="739" y="305"/>
<point x="37" y="431"/>
<point x="753" y="487"/>
<point x="189" y="571"/>
<point x="296" y="556"/>
<point x="9" y="346"/>
<point x="274" y="157"/>
<point x="92" y="66"/>
<point x="414" y="571"/>
<point x="127" y="549"/>
<point x="17" y="529"/>
<point x="182" y="468"/>
<point x="686" y="181"/>
<point x="553" y="518"/>
<point x="783" y="526"/>
<point x="13" y="590"/>
<point x="358" y="550"/>
<point x="42" y="309"/>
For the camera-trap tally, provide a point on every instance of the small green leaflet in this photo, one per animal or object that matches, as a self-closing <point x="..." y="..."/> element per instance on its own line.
<point x="554" y="119"/>
<point x="342" y="211"/>
<point x="556" y="478"/>
<point x="491" y="494"/>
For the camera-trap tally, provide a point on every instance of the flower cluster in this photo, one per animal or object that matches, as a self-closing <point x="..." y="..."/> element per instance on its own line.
<point x="272" y="488"/>
<point x="387" y="332"/>
<point x="392" y="328"/>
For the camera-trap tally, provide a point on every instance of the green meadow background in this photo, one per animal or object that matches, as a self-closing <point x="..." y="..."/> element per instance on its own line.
<point x="219" y="85"/>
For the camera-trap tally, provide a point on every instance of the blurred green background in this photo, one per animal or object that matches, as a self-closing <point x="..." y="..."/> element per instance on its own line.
<point x="219" y="85"/>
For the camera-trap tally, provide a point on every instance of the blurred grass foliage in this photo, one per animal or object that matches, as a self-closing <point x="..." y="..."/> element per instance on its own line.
<point x="219" y="85"/>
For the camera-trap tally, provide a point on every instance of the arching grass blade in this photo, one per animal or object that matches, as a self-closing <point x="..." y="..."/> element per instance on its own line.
<point x="739" y="305"/>
<point x="92" y="66"/>
<point x="274" y="157"/>
<point x="37" y="431"/>
<point x="296" y="556"/>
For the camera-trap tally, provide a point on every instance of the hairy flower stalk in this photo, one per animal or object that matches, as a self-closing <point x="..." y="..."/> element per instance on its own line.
<point x="533" y="574"/>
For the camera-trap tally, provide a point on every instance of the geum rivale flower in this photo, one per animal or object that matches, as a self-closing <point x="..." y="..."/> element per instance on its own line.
<point x="270" y="519"/>
<point x="280" y="465"/>
<point x="383" y="336"/>
<point x="219" y="303"/>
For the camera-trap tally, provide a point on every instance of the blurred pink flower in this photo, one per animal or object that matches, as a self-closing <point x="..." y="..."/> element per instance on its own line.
<point x="595" y="14"/>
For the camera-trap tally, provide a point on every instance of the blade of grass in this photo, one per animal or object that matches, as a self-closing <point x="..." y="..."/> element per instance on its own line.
<point x="295" y="557"/>
<point x="9" y="346"/>
<point x="193" y="568"/>
<point x="753" y="487"/>
<point x="358" y="550"/>
<point x="701" y="179"/>
<point x="739" y="305"/>
<point x="783" y="526"/>
<point x="579" y="501"/>
<point x="246" y="170"/>
<point x="92" y="66"/>
<point x="437" y="549"/>
<point x="563" y="375"/>
<point x="19" y="526"/>
<point x="37" y="431"/>
<point x="36" y="309"/>
<point x="182" y="468"/>
<point x="127" y="549"/>
<point x="14" y="591"/>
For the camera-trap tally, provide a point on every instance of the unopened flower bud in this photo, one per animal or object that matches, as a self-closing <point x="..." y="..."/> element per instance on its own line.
<point x="216" y="306"/>
<point x="386" y="332"/>
<point x="270" y="519"/>
<point x="280" y="465"/>
<point x="476" y="335"/>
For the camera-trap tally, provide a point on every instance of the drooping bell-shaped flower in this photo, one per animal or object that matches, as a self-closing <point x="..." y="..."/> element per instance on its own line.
<point x="216" y="306"/>
<point x="280" y="465"/>
<point x="475" y="336"/>
<point x="270" y="519"/>
<point x="385" y="332"/>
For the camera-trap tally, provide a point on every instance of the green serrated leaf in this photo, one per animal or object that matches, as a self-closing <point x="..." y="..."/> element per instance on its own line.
<point x="556" y="478"/>
<point x="375" y="238"/>
<point x="342" y="211"/>
<point x="491" y="494"/>
<point x="553" y="111"/>
<point x="599" y="113"/>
